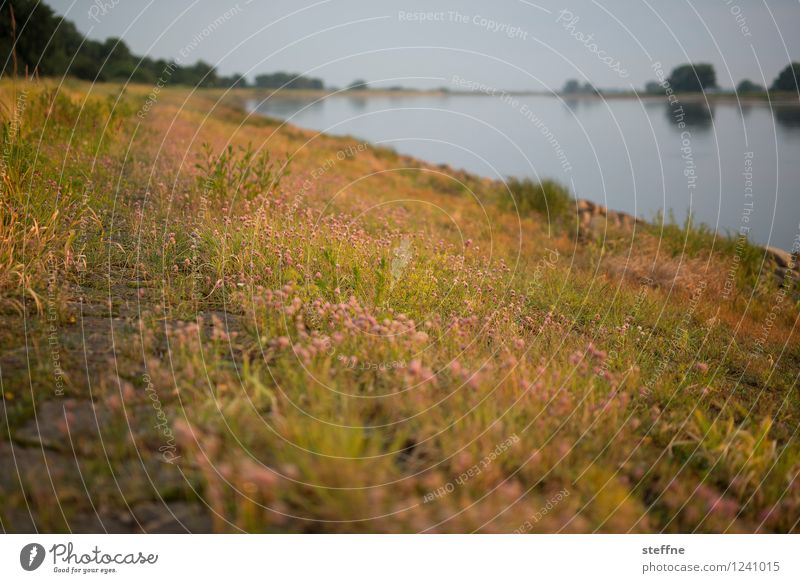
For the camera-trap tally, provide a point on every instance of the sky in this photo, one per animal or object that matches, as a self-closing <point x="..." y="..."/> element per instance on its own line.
<point x="506" y="44"/>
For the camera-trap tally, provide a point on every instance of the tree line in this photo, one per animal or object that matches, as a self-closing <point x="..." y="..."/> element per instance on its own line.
<point x="35" y="41"/>
<point x="696" y="77"/>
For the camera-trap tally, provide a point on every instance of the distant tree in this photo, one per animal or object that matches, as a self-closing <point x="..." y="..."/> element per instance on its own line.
<point x="571" y="86"/>
<point x="747" y="86"/>
<point x="200" y="74"/>
<point x="693" y="78"/>
<point x="315" y="84"/>
<point x="272" y="80"/>
<point x="285" y="80"/>
<point x="117" y="60"/>
<point x="787" y="79"/>
<point x="34" y="39"/>
<point x="40" y="45"/>
<point x="358" y="85"/>
<point x="235" y="80"/>
<point x="653" y="88"/>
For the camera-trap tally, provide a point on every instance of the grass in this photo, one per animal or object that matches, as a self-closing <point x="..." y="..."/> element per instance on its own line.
<point x="692" y="239"/>
<point x="337" y="346"/>
<point x="546" y="197"/>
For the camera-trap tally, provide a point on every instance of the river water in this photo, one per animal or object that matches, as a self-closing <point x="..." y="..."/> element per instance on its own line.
<point x="732" y="166"/>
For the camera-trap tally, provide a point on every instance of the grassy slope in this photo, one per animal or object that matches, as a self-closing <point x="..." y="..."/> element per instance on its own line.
<point x="365" y="344"/>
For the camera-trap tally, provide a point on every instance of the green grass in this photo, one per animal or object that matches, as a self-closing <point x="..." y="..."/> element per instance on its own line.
<point x="547" y="197"/>
<point x="693" y="239"/>
<point x="327" y="365"/>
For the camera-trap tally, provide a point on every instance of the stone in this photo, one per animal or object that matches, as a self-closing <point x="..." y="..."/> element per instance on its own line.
<point x="781" y="257"/>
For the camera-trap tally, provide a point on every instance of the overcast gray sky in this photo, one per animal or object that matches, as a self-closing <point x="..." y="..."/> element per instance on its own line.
<point x="511" y="44"/>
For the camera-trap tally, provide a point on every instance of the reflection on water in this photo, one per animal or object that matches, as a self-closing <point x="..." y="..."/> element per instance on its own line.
<point x="286" y="107"/>
<point x="787" y="117"/>
<point x="571" y="103"/>
<point x="357" y="103"/>
<point x="625" y="153"/>
<point x="700" y="115"/>
<point x="697" y="116"/>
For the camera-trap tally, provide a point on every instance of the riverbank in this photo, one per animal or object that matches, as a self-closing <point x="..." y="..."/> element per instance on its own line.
<point x="765" y="99"/>
<point x="199" y="336"/>
<point x="630" y="165"/>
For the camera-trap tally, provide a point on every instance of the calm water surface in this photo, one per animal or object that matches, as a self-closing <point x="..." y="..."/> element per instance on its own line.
<point x="731" y="166"/>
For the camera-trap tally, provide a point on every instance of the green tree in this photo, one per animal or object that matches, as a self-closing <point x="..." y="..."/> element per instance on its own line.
<point x="285" y="80"/>
<point x="37" y="41"/>
<point x="571" y="86"/>
<point x="201" y="74"/>
<point x="787" y="79"/>
<point x="358" y="85"/>
<point x="653" y="88"/>
<point x="235" y="80"/>
<point x="747" y="86"/>
<point x="693" y="78"/>
<point x="41" y="45"/>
